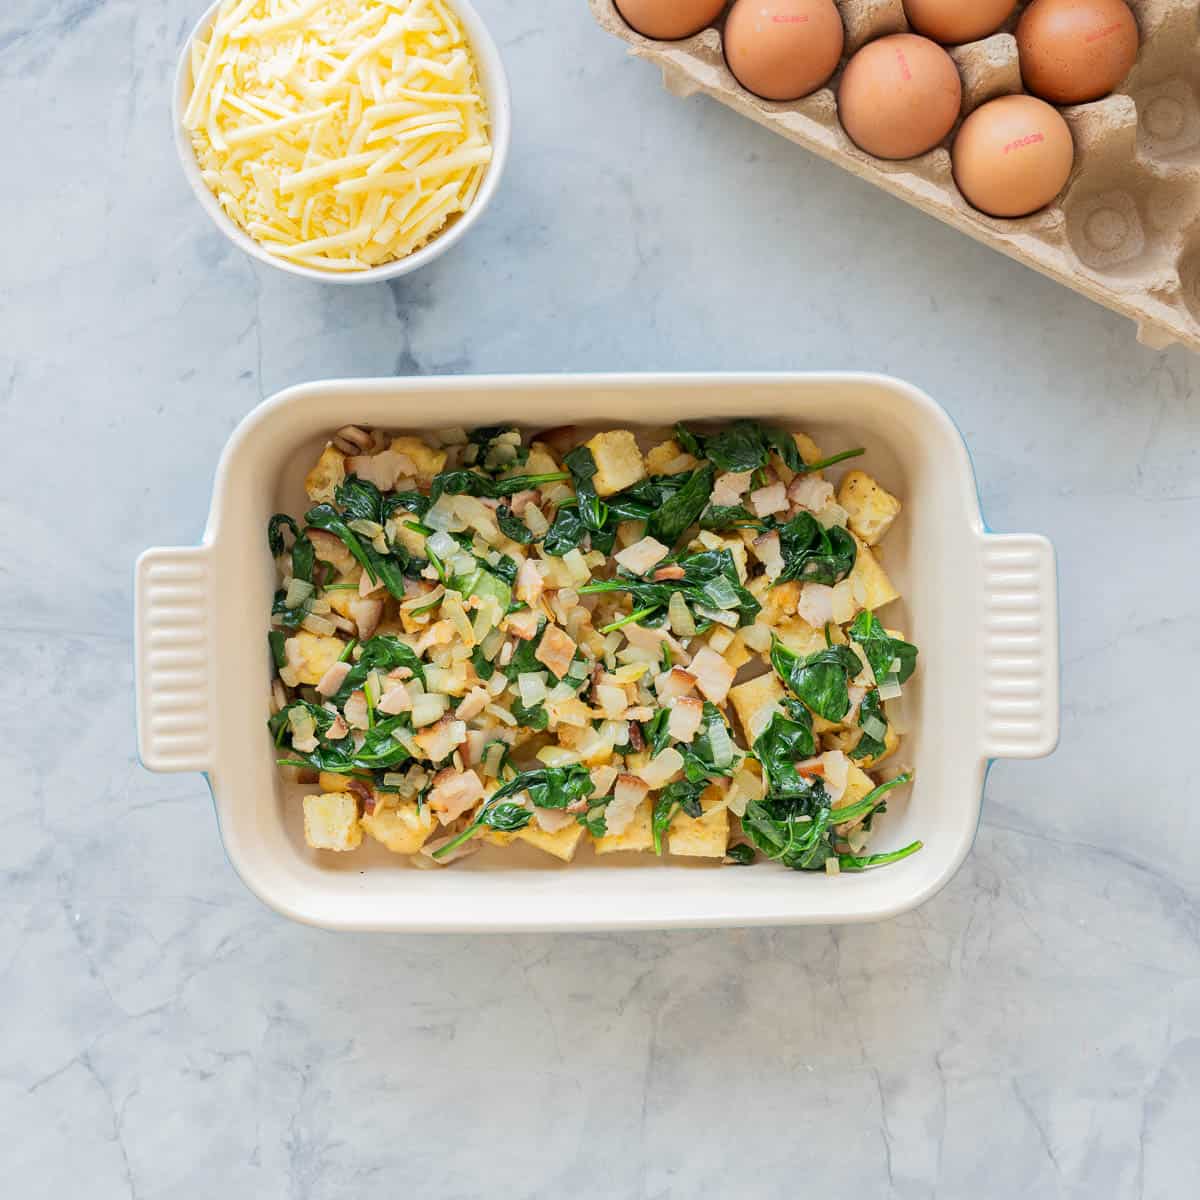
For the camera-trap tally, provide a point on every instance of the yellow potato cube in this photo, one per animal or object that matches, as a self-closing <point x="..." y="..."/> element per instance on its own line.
<point x="562" y="844"/>
<point x="701" y="837"/>
<point x="326" y="476"/>
<point x="496" y="837"/>
<point x="637" y="835"/>
<point x="426" y="459"/>
<point x="755" y="701"/>
<point x="846" y="739"/>
<point x="331" y="822"/>
<point x="737" y="655"/>
<point x="410" y="539"/>
<point x="666" y="455"/>
<point x="400" y="827"/>
<point x="779" y="601"/>
<point x="316" y="655"/>
<point x="872" y="509"/>
<point x="541" y="461"/>
<point x="327" y="781"/>
<point x="618" y="461"/>
<point x="872" y="587"/>
<point x="858" y="785"/>
<point x="809" y="450"/>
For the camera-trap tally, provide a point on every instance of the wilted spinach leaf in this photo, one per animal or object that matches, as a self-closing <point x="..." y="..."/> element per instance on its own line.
<point x="872" y="743"/>
<point x="786" y="740"/>
<point x="681" y="795"/>
<point x="678" y="512"/>
<point x="532" y="716"/>
<point x="822" y="680"/>
<point x="566" y="531"/>
<point x="711" y="754"/>
<point x="710" y="581"/>
<point x="882" y="649"/>
<point x="550" y="787"/>
<point x="512" y="526"/>
<point x="381" y="653"/>
<point x="814" y="554"/>
<point x="470" y="483"/>
<point x="582" y="466"/>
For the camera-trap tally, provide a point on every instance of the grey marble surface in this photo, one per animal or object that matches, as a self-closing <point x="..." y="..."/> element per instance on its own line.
<point x="1033" y="1032"/>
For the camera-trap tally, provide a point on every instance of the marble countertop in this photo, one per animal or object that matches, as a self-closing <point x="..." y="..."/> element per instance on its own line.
<point x="1034" y="1031"/>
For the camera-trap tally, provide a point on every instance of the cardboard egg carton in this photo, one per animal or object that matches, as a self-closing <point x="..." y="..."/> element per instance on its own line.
<point x="1125" y="231"/>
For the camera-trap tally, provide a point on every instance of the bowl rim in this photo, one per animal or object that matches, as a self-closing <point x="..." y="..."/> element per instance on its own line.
<point x="494" y="82"/>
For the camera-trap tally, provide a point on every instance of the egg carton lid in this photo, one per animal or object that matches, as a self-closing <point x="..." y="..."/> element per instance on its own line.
<point x="1125" y="230"/>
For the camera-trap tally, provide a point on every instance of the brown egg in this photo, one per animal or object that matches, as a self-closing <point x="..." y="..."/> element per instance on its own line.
<point x="783" y="49"/>
<point x="955" y="22"/>
<point x="1012" y="156"/>
<point x="669" y="20"/>
<point x="1073" y="51"/>
<point x="899" y="96"/>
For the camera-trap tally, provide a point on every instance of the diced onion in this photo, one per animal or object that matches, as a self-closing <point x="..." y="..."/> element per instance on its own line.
<point x="369" y="529"/>
<point x="318" y="625"/>
<point x="535" y="521"/>
<point x="897" y="715"/>
<point x="426" y="600"/>
<point x="721" y="742"/>
<point x="428" y="709"/>
<point x="575" y="564"/>
<point x="679" y="616"/>
<point x="492" y="759"/>
<point x="659" y="769"/>
<point x="297" y="592"/>
<point x="722" y="593"/>
<point x="889" y="688"/>
<point x="831" y="515"/>
<point x="611" y="699"/>
<point x="719" y="615"/>
<point x="501" y="714"/>
<point x="873" y="727"/>
<point x="442" y="544"/>
<point x="558" y="756"/>
<point x="532" y="686"/>
<point x="757" y="637"/>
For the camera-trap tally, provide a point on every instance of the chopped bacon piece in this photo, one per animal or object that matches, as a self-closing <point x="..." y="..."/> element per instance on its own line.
<point x="454" y="792"/>
<point x="333" y="678"/>
<point x="555" y="651"/>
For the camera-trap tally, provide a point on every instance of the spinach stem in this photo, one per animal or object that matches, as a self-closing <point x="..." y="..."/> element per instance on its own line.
<point x="628" y="620"/>
<point x="852" y="862"/>
<point x="833" y="460"/>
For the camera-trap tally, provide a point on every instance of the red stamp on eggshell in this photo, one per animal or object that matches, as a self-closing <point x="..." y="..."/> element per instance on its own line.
<point x="1030" y="139"/>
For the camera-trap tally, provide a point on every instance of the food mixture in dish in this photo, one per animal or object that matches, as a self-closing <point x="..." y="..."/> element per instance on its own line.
<point x="667" y="645"/>
<point x="340" y="134"/>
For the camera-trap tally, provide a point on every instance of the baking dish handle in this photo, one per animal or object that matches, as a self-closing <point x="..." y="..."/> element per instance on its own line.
<point x="1018" y="646"/>
<point x="173" y="658"/>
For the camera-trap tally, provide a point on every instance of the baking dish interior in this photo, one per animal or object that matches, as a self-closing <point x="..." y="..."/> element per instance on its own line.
<point x="931" y="553"/>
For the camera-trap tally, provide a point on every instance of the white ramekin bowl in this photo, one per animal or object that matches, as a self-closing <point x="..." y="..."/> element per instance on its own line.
<point x="492" y="78"/>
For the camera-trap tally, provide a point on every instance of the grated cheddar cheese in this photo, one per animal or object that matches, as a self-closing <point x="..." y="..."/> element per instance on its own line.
<point x="340" y="134"/>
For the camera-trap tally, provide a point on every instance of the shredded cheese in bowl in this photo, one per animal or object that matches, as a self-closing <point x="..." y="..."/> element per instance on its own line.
<point x="339" y="134"/>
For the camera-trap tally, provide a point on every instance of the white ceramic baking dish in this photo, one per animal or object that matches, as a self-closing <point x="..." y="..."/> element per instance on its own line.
<point x="981" y="606"/>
